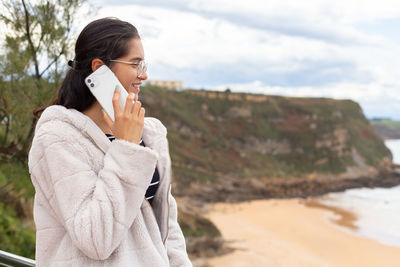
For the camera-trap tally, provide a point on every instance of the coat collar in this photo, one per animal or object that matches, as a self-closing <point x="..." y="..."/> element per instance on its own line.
<point x="153" y="130"/>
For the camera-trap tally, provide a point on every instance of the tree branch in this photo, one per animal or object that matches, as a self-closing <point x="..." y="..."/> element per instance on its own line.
<point x="24" y="150"/>
<point x="54" y="61"/>
<point x="29" y="38"/>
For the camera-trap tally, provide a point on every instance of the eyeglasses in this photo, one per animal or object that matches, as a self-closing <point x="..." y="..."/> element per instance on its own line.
<point x="141" y="66"/>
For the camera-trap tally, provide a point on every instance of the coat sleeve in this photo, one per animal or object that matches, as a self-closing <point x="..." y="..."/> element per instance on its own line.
<point x="176" y="247"/>
<point x="96" y="209"/>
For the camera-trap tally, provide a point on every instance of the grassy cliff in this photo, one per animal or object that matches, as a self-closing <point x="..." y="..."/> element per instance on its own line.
<point x="222" y="137"/>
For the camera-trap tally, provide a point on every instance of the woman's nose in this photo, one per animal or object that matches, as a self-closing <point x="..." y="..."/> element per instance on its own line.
<point x="143" y="76"/>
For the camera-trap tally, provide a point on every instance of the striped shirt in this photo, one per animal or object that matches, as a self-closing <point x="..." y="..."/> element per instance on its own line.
<point x="152" y="189"/>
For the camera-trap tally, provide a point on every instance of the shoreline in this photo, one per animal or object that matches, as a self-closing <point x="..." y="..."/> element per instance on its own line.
<point x="346" y="218"/>
<point x="259" y="189"/>
<point x="294" y="232"/>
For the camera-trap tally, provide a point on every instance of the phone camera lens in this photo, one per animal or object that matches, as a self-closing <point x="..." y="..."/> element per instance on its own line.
<point x="92" y="84"/>
<point x="89" y="80"/>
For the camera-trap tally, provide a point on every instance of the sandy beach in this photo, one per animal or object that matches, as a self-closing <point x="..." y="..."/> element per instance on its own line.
<point x="295" y="232"/>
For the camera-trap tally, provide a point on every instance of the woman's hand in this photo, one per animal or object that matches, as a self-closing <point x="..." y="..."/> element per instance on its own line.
<point x="128" y="124"/>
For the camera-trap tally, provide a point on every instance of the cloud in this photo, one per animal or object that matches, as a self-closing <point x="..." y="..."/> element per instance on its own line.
<point x="307" y="73"/>
<point x="321" y="20"/>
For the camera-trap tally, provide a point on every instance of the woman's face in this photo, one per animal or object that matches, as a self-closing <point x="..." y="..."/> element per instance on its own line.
<point x="128" y="74"/>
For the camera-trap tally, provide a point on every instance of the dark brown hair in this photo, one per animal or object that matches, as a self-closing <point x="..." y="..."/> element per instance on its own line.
<point x="106" y="39"/>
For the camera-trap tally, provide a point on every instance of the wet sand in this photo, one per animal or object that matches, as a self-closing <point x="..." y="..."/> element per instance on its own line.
<point x="295" y="232"/>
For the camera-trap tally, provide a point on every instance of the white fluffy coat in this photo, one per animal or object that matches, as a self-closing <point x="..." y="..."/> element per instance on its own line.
<point x="89" y="207"/>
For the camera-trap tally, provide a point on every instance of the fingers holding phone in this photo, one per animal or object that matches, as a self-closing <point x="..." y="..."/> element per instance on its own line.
<point x="128" y="124"/>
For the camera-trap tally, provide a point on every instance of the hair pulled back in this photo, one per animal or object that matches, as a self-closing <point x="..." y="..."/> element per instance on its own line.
<point x="106" y="39"/>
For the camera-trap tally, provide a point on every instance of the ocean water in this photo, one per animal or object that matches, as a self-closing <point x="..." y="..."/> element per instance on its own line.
<point x="377" y="209"/>
<point x="394" y="146"/>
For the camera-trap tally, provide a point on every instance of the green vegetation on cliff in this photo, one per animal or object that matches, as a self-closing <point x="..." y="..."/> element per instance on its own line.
<point x="216" y="135"/>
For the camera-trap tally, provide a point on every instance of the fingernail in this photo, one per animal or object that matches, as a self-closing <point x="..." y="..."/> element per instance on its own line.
<point x="116" y="87"/>
<point x="102" y="111"/>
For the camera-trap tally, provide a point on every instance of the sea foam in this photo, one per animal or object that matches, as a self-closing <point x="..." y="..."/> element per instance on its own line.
<point x="377" y="209"/>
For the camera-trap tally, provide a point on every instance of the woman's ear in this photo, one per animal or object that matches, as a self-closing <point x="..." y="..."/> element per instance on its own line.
<point x="97" y="63"/>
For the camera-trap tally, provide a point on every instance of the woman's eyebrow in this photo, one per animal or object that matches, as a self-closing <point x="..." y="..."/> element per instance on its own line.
<point x="136" y="58"/>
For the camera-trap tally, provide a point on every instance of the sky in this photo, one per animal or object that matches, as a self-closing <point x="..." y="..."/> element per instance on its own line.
<point x="343" y="49"/>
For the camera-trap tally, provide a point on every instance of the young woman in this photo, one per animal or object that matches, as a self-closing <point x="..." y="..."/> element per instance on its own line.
<point x="103" y="195"/>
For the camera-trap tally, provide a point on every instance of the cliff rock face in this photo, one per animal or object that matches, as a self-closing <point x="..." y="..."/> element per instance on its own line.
<point x="222" y="139"/>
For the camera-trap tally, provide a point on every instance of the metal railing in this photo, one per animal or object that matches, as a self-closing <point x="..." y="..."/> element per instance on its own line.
<point x="9" y="259"/>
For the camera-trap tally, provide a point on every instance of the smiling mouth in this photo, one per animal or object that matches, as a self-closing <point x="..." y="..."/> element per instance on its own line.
<point x="136" y="88"/>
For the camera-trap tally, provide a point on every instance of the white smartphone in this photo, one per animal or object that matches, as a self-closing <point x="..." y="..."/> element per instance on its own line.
<point x="102" y="83"/>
